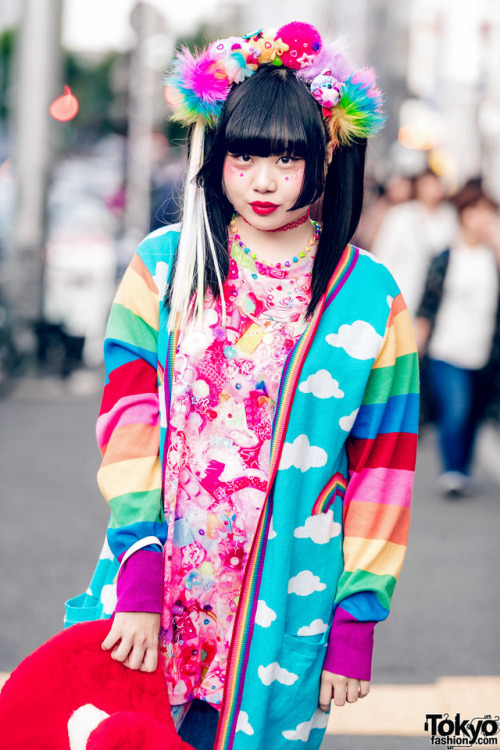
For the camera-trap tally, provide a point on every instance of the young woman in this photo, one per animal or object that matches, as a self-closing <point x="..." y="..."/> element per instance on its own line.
<point x="458" y="327"/>
<point x="258" y="424"/>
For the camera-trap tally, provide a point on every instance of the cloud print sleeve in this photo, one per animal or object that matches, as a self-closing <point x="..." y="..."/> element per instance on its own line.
<point x="381" y="451"/>
<point x="128" y="433"/>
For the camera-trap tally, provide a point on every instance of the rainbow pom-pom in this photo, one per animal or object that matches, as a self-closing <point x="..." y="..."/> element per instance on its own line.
<point x="197" y="87"/>
<point x="359" y="112"/>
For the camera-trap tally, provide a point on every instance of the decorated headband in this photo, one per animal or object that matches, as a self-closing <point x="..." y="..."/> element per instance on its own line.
<point x="351" y="103"/>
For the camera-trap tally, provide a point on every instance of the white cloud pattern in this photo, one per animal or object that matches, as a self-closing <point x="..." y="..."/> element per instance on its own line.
<point x="160" y="278"/>
<point x="106" y="553"/>
<point x="370" y="255"/>
<point x="320" y="528"/>
<point x="305" y="583"/>
<point x="264" y="616"/>
<point x="322" y="385"/>
<point x="243" y="724"/>
<point x="272" y="532"/>
<point x="108" y="598"/>
<point x="315" y="628"/>
<point x="347" y="422"/>
<point x="275" y="672"/>
<point x="360" y="340"/>
<point x="303" y="730"/>
<point x="302" y="455"/>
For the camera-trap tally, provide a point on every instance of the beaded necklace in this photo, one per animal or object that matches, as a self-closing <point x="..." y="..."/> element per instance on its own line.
<point x="307" y="249"/>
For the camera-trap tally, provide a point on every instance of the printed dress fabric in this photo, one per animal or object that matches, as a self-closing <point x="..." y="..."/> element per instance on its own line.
<point x="225" y="385"/>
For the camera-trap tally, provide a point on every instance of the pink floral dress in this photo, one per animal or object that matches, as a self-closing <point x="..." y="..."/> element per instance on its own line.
<point x="224" y="389"/>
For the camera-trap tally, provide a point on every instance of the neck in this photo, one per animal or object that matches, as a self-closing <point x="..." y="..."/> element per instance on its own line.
<point x="470" y="239"/>
<point x="276" y="247"/>
<point x="285" y="227"/>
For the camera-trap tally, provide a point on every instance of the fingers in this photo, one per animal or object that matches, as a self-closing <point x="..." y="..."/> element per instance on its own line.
<point x="364" y="688"/>
<point x="352" y="691"/>
<point x="112" y="637"/>
<point x="122" y="649"/>
<point x="341" y="689"/>
<point x="325" y="694"/>
<point x="133" y="640"/>
<point x="150" y="661"/>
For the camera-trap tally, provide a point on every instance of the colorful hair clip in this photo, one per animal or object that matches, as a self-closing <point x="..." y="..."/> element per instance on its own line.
<point x="198" y="85"/>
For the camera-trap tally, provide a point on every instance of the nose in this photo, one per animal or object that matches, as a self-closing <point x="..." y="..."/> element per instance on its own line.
<point x="264" y="178"/>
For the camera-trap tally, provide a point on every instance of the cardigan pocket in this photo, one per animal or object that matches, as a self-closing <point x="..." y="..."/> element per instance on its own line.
<point x="99" y="601"/>
<point x="333" y="489"/>
<point x="294" y="682"/>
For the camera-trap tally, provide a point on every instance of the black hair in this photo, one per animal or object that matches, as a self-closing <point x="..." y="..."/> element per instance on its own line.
<point x="274" y="113"/>
<point x="472" y="194"/>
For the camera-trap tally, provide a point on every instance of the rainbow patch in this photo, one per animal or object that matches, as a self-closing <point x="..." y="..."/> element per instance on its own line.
<point x="336" y="487"/>
<point x="245" y="616"/>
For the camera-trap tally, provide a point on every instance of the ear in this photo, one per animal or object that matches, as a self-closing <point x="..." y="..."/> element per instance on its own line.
<point x="329" y="152"/>
<point x="82" y="723"/>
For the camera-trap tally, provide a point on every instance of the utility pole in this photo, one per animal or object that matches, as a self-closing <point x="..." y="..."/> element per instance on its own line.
<point x="144" y="87"/>
<point x="38" y="83"/>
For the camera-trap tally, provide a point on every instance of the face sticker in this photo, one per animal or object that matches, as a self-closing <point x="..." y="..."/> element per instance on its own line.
<point x="295" y="174"/>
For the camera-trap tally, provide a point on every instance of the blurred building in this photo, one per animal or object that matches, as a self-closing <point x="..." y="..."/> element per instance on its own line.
<point x="10" y="13"/>
<point x="453" y="64"/>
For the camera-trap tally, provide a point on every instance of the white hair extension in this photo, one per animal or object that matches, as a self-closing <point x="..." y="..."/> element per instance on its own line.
<point x="192" y="253"/>
<point x="214" y="258"/>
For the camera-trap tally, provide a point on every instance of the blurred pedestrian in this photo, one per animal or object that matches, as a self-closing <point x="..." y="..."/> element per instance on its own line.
<point x="379" y="199"/>
<point x="254" y="455"/>
<point x="458" y="326"/>
<point x="412" y="233"/>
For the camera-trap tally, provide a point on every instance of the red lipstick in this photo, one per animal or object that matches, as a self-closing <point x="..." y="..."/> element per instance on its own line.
<point x="262" y="208"/>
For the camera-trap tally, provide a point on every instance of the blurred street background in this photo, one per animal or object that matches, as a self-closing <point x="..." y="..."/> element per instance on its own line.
<point x="89" y="164"/>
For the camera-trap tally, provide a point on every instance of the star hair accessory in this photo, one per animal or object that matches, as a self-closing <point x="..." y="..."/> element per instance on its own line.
<point x="198" y="84"/>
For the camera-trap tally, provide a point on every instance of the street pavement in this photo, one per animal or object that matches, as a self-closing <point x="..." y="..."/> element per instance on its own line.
<point x="446" y="608"/>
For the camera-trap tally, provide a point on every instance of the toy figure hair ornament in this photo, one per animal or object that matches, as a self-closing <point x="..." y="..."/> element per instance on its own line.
<point x="197" y="86"/>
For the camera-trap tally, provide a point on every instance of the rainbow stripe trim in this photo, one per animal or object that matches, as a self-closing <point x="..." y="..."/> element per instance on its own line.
<point x="293" y="365"/>
<point x="347" y="261"/>
<point x="173" y="341"/>
<point x="336" y="487"/>
<point x="245" y="616"/>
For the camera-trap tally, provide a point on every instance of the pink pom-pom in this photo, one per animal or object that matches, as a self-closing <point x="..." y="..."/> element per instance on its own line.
<point x="204" y="76"/>
<point x="304" y="42"/>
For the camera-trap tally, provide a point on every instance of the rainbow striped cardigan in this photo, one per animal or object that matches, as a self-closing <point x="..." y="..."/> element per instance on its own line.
<point x="332" y="533"/>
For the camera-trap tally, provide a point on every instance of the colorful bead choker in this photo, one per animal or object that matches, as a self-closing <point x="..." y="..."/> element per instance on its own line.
<point x="287" y="263"/>
<point x="286" y="227"/>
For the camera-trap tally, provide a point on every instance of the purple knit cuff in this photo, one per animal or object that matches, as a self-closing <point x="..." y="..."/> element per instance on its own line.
<point x="350" y="646"/>
<point x="140" y="583"/>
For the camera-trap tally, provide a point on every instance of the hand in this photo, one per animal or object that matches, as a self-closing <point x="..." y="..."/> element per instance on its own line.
<point x="340" y="689"/>
<point x="133" y="639"/>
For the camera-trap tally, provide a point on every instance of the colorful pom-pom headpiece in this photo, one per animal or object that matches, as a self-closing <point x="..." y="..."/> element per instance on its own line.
<point x="198" y="85"/>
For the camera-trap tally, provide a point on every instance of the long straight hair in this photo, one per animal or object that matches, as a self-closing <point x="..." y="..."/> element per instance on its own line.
<point x="271" y="113"/>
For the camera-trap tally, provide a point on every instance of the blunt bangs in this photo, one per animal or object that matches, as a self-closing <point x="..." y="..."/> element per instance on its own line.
<point x="270" y="114"/>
